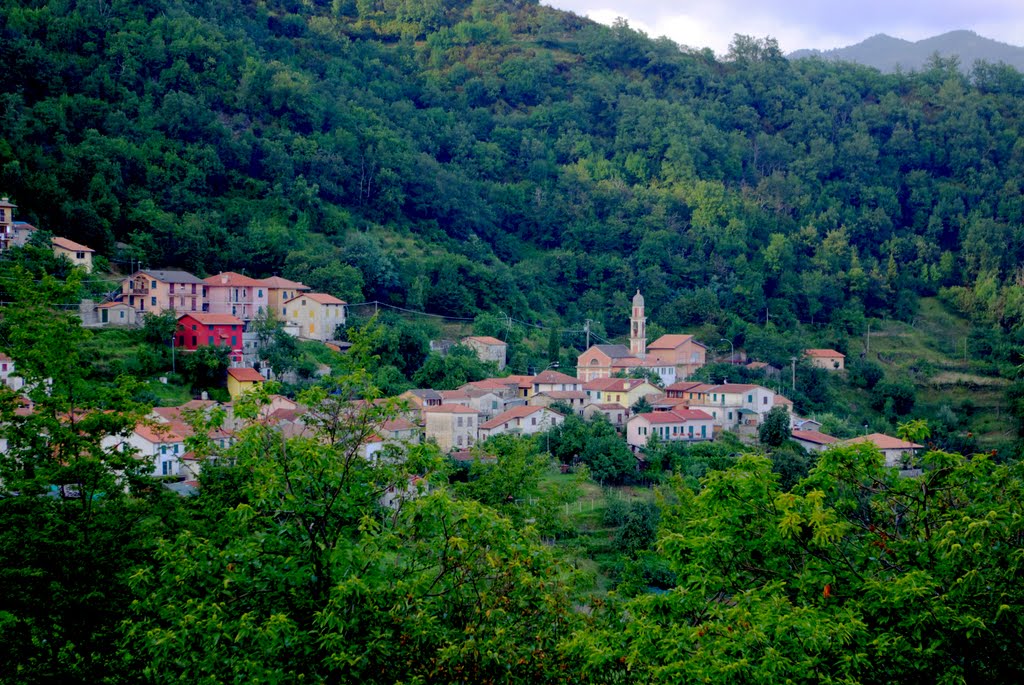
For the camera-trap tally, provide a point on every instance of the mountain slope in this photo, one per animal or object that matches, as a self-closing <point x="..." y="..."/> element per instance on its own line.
<point x="537" y="164"/>
<point x="888" y="54"/>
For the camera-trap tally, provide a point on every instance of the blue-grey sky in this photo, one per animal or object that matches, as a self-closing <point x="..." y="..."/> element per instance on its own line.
<point x="797" y="24"/>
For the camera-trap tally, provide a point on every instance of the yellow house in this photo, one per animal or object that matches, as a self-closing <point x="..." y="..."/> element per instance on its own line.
<point x="827" y="359"/>
<point x="316" y="314"/>
<point x="279" y="291"/>
<point x="241" y="381"/>
<point x="77" y="254"/>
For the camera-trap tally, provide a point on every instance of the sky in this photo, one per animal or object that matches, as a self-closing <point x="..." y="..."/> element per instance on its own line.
<point x="796" y="24"/>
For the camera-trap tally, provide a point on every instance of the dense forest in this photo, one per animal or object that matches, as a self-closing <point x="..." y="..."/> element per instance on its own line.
<point x="481" y="156"/>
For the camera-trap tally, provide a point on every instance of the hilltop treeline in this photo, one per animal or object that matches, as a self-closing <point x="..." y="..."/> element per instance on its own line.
<point x="475" y="156"/>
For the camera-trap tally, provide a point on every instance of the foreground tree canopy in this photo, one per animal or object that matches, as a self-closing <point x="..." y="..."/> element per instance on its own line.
<point x="302" y="561"/>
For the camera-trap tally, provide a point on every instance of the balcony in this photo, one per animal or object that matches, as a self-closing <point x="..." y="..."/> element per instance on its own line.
<point x="137" y="289"/>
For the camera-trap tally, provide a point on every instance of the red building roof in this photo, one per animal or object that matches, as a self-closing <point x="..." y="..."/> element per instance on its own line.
<point x="208" y="319"/>
<point x="246" y="375"/>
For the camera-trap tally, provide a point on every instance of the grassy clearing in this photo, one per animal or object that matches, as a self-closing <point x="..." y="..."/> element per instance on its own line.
<point x="930" y="352"/>
<point x="593" y="549"/>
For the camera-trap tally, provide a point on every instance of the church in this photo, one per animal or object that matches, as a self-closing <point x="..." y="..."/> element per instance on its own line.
<point x="673" y="357"/>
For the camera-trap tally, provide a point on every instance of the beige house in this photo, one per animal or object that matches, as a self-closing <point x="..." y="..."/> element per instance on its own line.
<point x="680" y="351"/>
<point x="487" y="349"/>
<point x="77" y="254"/>
<point x="602" y="361"/>
<point x="521" y="421"/>
<point x="895" y="451"/>
<point x="553" y="380"/>
<point x="827" y="359"/>
<point x="154" y="292"/>
<point x="577" y="399"/>
<point x="279" y="291"/>
<point x="316" y="314"/>
<point x="451" y="426"/>
<point x="616" y="414"/>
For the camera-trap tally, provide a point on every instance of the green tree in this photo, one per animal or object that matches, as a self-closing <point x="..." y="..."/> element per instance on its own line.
<point x="774" y="430"/>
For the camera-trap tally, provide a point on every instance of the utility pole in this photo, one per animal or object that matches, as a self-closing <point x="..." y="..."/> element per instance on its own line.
<point x="867" y="341"/>
<point x="793" y="381"/>
<point x="586" y="327"/>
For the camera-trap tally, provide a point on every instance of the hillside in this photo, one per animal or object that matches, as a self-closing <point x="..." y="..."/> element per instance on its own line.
<point x="888" y="54"/>
<point x="481" y="156"/>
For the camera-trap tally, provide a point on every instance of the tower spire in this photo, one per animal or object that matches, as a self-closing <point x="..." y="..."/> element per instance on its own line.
<point x="638" y="328"/>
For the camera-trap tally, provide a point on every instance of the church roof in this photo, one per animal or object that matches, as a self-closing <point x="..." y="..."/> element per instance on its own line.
<point x="638" y="299"/>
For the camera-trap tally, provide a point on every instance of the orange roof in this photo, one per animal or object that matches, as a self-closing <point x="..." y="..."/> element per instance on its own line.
<point x="686" y="386"/>
<point x="397" y="425"/>
<point x="814" y="436"/>
<point x="319" y="298"/>
<point x="453" y="395"/>
<point x="783" y="401"/>
<point x="208" y="319"/>
<point x="520" y="412"/>
<point x="163" y="434"/>
<point x="671" y="341"/>
<point x="246" y="375"/>
<point x="277" y="282"/>
<point x="824" y="352"/>
<point x="69" y="245"/>
<point x="564" y="394"/>
<point x="233" y="279"/>
<point x="485" y="340"/>
<point x="884" y="442"/>
<point x="552" y="376"/>
<point x="613" y="384"/>
<point x="675" y="416"/>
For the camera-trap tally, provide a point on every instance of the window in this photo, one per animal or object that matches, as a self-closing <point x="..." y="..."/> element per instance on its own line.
<point x="730" y="416"/>
<point x="259" y="292"/>
<point x="703" y="431"/>
<point x="153" y="285"/>
<point x="165" y="468"/>
<point x="79" y="255"/>
<point x="533" y="421"/>
<point x="458" y="440"/>
<point x="284" y="311"/>
<point x="152" y="301"/>
<point x="181" y="341"/>
<point x="163" y="449"/>
<point x="194" y="343"/>
<point x="750" y="399"/>
<point x="458" y="421"/>
<point x="209" y="340"/>
<point x="494" y="403"/>
<point x="469" y="421"/>
<point x="764" y="400"/>
<point x="121" y="314"/>
<point x="234" y="341"/>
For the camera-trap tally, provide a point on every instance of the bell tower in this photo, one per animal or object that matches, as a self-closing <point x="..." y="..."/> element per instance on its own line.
<point x="638" y="328"/>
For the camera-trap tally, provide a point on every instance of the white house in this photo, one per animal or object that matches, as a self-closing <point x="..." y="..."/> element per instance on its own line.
<point x="522" y="421"/>
<point x="735" y="404"/>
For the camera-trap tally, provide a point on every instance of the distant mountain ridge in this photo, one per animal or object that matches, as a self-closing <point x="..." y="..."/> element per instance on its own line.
<point x="887" y="54"/>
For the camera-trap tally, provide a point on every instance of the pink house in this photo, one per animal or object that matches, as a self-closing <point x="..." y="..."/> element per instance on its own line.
<point x="690" y="425"/>
<point x="237" y="295"/>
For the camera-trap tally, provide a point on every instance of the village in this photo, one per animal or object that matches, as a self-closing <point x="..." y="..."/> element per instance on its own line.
<point x="643" y="389"/>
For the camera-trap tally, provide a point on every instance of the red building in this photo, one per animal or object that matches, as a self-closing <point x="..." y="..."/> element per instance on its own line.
<point x="201" y="329"/>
